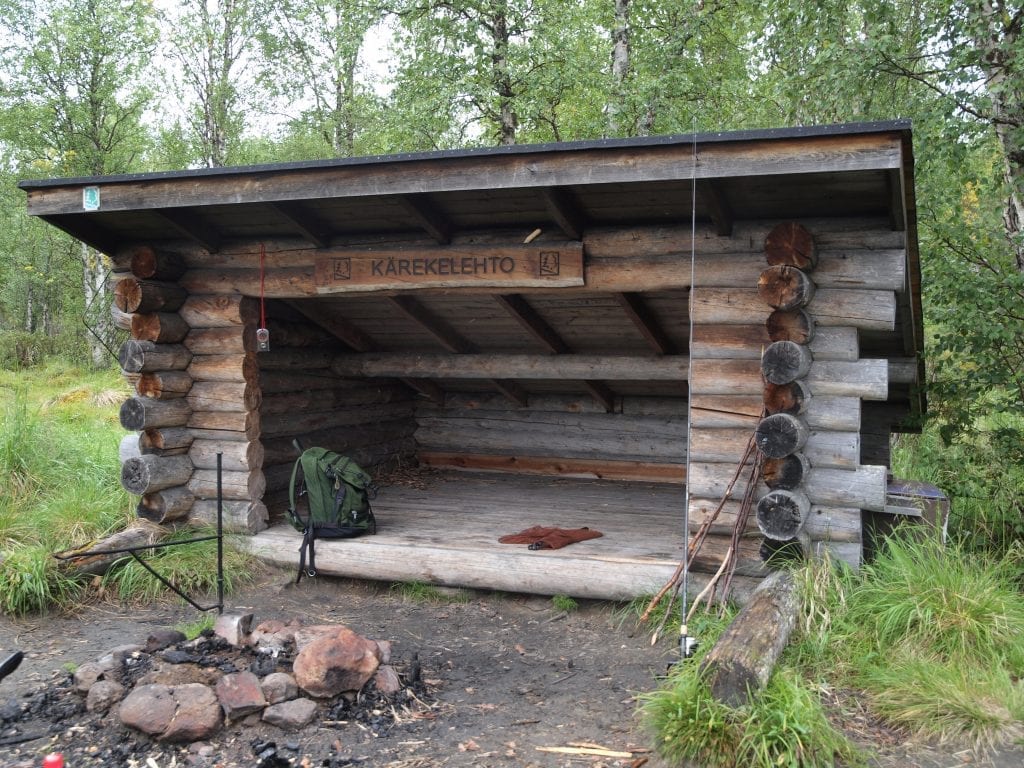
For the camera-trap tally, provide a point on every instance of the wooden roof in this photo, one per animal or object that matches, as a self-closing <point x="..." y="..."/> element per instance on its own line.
<point x="852" y="170"/>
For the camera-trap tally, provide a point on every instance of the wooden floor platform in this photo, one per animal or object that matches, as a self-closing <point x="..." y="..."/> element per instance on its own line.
<point x="443" y="528"/>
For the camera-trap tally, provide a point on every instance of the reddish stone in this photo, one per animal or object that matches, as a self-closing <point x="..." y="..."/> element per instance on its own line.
<point x="240" y="694"/>
<point x="336" y="662"/>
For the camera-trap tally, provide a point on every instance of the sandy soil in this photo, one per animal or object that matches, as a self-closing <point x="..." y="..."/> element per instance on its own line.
<point x="508" y="679"/>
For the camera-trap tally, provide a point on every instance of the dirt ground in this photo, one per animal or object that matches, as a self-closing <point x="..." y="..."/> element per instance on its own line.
<point x="508" y="678"/>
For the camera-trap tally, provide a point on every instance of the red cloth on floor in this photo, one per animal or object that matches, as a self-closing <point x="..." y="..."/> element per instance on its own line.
<point x="541" y="537"/>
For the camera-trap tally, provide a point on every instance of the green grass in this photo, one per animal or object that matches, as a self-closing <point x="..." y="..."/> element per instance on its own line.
<point x="60" y="489"/>
<point x="192" y="629"/>
<point x="419" y="592"/>
<point x="783" y="725"/>
<point x="564" y="604"/>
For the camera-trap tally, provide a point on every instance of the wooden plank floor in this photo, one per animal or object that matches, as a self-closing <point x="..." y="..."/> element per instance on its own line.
<point x="447" y="533"/>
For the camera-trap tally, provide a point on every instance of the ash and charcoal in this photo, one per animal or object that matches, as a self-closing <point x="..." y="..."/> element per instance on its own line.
<point x="203" y="700"/>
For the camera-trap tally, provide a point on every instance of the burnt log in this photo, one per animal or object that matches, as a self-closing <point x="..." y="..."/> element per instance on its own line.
<point x="164" y="385"/>
<point x="166" y="505"/>
<point x="785" y="361"/>
<point x="160" y="327"/>
<point x="145" y="296"/>
<point x="781" y="514"/>
<point x="792" y="398"/>
<point x="791" y="244"/>
<point x="147" y="473"/>
<point x="149" y="264"/>
<point x="786" y="473"/>
<point x="790" y="325"/>
<point x="144" y="356"/>
<point x="780" y="434"/>
<point x="139" y="413"/>
<point x="785" y="288"/>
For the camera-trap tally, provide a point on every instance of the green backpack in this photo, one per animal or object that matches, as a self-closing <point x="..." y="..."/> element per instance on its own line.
<point x="337" y="492"/>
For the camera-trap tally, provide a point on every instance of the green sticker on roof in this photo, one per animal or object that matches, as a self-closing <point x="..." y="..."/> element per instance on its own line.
<point x="91" y="198"/>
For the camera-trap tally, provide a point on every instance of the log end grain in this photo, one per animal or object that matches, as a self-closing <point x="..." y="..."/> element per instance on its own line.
<point x="791" y="244"/>
<point x="785" y="288"/>
<point x="781" y="514"/>
<point x="792" y="398"/>
<point x="786" y="473"/>
<point x="785" y="361"/>
<point x="790" y="325"/>
<point x="780" y="434"/>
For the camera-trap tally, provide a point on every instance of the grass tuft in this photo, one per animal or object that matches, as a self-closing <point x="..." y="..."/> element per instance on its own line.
<point x="419" y="592"/>
<point x="564" y="604"/>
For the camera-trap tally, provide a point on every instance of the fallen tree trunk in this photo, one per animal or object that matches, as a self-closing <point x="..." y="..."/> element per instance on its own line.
<point x="742" y="660"/>
<point x="140" y="534"/>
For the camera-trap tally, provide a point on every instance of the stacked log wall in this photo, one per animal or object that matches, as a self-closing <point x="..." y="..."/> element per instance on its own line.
<point x="644" y="439"/>
<point x="369" y="419"/>
<point x="850" y="288"/>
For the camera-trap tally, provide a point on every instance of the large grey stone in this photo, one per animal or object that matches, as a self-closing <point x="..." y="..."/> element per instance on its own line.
<point x="290" y="715"/>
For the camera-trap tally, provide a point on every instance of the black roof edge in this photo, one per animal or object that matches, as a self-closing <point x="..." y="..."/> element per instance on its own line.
<point x="837" y="129"/>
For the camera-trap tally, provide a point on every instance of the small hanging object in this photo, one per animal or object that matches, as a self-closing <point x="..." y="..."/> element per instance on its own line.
<point x="262" y="333"/>
<point x="262" y="340"/>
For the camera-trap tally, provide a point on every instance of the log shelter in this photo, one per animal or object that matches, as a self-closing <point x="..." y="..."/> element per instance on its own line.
<point x="579" y="334"/>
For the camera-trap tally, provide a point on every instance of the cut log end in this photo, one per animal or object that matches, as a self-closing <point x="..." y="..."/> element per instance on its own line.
<point x="785" y="288"/>
<point x="785" y="361"/>
<point x="781" y="514"/>
<point x="792" y="398"/>
<point x="791" y="244"/>
<point x="793" y="325"/>
<point x="780" y="434"/>
<point x="786" y="473"/>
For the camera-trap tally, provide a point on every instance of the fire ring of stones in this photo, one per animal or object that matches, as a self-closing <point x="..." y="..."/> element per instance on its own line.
<point x="180" y="691"/>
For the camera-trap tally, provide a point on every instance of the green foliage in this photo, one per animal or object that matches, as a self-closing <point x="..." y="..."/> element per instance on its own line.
<point x="59" y="489"/>
<point x="931" y="635"/>
<point x="420" y="592"/>
<point x="192" y="568"/>
<point x="564" y="604"/>
<point x="782" y="725"/>
<point x="192" y="629"/>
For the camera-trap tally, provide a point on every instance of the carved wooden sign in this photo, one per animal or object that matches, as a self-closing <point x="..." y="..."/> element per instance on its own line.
<point x="515" y="266"/>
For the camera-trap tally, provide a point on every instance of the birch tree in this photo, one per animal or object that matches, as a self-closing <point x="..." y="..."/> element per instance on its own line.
<point x="76" y="73"/>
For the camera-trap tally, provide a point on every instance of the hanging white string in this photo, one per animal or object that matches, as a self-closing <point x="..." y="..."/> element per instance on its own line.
<point x="686" y="645"/>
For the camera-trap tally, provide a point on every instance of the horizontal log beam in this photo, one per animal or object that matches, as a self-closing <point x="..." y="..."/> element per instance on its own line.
<point x="145" y="356"/>
<point x="868" y="310"/>
<point x="148" y="473"/>
<point x="165" y="506"/>
<point x="745" y="342"/>
<point x="866" y="378"/>
<point x="248" y="485"/>
<point x="665" y="368"/>
<point x="203" y="310"/>
<point x="239" y="516"/>
<point x="139" y="413"/>
<point x="863" y="487"/>
<point x="235" y="456"/>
